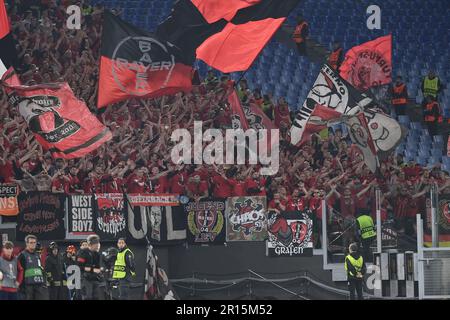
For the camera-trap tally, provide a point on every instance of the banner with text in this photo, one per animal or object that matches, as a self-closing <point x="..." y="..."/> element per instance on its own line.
<point x="206" y="221"/>
<point x="159" y="224"/>
<point x="110" y="221"/>
<point x="8" y="200"/>
<point x="79" y="217"/>
<point x="41" y="214"/>
<point x="246" y="219"/>
<point x="290" y="234"/>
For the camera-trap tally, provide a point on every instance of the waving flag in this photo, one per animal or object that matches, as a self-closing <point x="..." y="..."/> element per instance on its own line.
<point x="227" y="35"/>
<point x="333" y="92"/>
<point x="8" y="56"/>
<point x="135" y="63"/>
<point x="330" y="91"/>
<point x="370" y="64"/>
<point x="238" y="119"/>
<point x="317" y="118"/>
<point x="359" y="133"/>
<point x="60" y="122"/>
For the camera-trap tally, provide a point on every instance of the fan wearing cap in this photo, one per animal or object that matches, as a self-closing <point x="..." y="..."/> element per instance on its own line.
<point x="56" y="273"/>
<point x="89" y="261"/>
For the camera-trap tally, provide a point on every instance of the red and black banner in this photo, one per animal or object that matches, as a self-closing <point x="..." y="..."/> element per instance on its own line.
<point x="135" y="63"/>
<point x="369" y="64"/>
<point x="238" y="119"/>
<point x="227" y="35"/>
<point x="8" y="56"/>
<point x="59" y="121"/>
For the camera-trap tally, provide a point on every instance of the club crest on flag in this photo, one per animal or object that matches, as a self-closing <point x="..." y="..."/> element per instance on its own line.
<point x="153" y="56"/>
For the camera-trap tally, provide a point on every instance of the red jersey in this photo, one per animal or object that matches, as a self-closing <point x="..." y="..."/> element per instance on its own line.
<point x="135" y="184"/>
<point x="197" y="189"/>
<point x="177" y="183"/>
<point x="223" y="188"/>
<point x="256" y="184"/>
<point x="61" y="185"/>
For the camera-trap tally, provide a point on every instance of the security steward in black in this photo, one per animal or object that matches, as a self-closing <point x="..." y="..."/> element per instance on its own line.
<point x="356" y="268"/>
<point x="92" y="281"/>
<point x="124" y="269"/>
<point x="56" y="274"/>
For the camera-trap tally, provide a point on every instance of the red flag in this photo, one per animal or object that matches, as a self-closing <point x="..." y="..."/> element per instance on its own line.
<point x="60" y="122"/>
<point x="318" y="121"/>
<point x="227" y="35"/>
<point x="237" y="46"/>
<point x="238" y="119"/>
<point x="369" y="64"/>
<point x="214" y="10"/>
<point x="4" y="22"/>
<point x="258" y="120"/>
<point x="8" y="54"/>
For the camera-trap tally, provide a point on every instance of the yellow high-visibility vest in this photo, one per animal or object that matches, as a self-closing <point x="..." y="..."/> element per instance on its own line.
<point x="357" y="264"/>
<point x="430" y="87"/>
<point x="120" y="265"/>
<point x="366" y="226"/>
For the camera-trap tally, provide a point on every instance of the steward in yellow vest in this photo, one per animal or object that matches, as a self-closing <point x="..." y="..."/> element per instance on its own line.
<point x="356" y="268"/>
<point x="431" y="86"/>
<point x="124" y="268"/>
<point x="366" y="233"/>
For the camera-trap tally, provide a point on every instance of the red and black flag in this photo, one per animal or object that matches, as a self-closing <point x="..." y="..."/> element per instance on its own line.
<point x="135" y="63"/>
<point x="369" y="64"/>
<point x="60" y="122"/>
<point x="8" y="56"/>
<point x="227" y="35"/>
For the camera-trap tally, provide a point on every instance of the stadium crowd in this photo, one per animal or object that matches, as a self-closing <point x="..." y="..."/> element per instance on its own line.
<point x="137" y="159"/>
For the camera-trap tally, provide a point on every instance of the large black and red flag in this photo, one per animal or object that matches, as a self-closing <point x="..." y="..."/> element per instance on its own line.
<point x="59" y="121"/>
<point x="8" y="56"/>
<point x="227" y="35"/>
<point x="135" y="63"/>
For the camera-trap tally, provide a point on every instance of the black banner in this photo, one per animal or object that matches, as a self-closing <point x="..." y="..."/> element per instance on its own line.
<point x="206" y="222"/>
<point x="161" y="225"/>
<point x="41" y="214"/>
<point x="79" y="217"/>
<point x="110" y="221"/>
<point x="290" y="234"/>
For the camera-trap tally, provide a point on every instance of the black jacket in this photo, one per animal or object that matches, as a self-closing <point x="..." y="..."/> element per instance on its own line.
<point x="91" y="259"/>
<point x="54" y="269"/>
